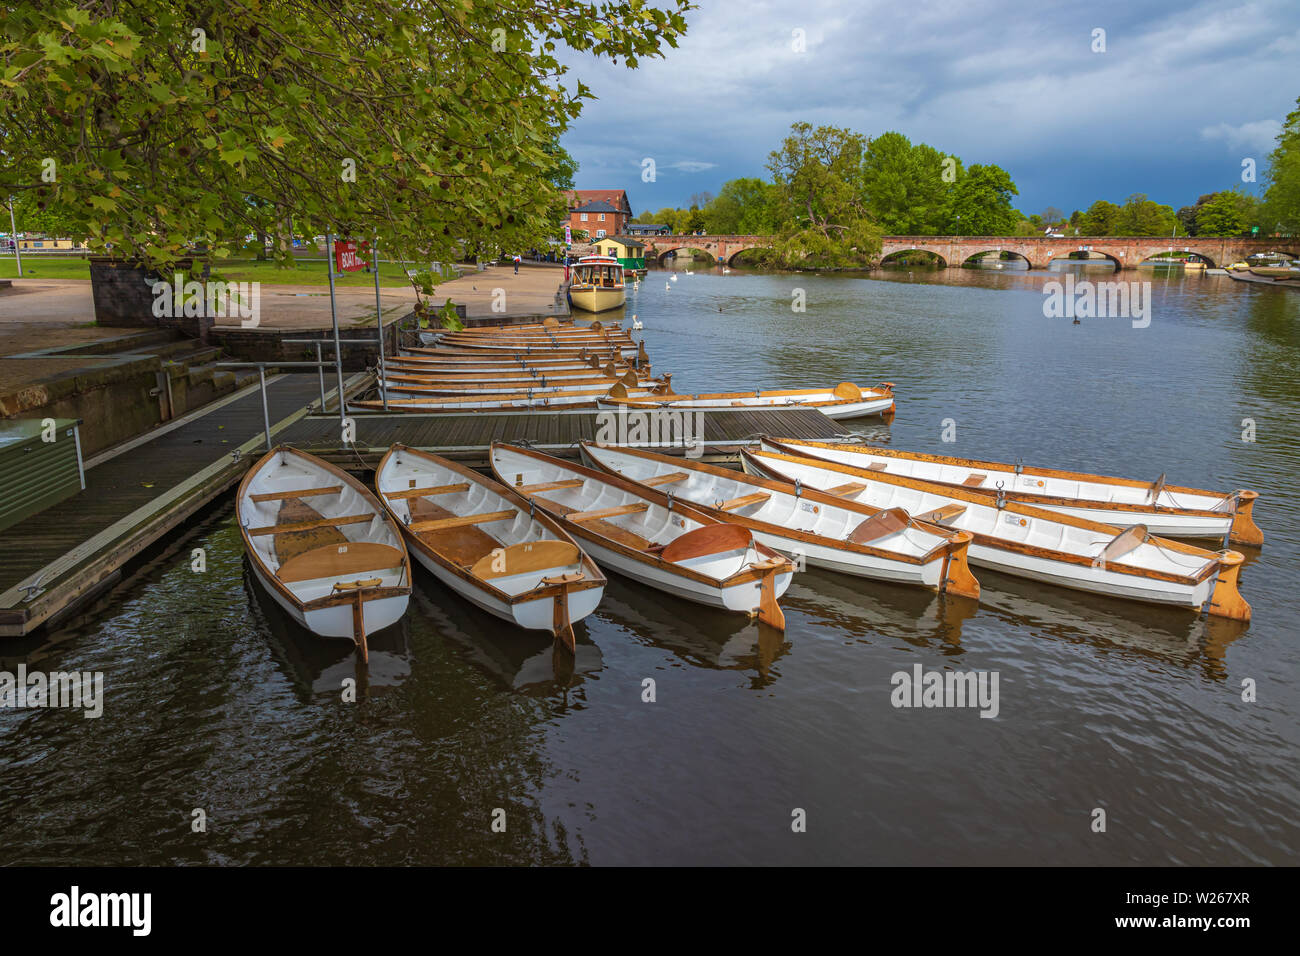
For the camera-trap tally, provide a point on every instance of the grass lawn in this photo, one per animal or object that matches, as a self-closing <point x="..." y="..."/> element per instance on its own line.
<point x="310" y="272"/>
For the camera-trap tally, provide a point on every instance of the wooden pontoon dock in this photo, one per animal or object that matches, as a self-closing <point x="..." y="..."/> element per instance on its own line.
<point x="137" y="492"/>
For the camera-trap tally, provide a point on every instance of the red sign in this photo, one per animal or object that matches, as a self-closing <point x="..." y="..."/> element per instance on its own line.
<point x="345" y="256"/>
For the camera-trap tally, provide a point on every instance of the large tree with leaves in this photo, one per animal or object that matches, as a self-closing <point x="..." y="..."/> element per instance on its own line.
<point x="154" y="126"/>
<point x="981" y="202"/>
<point x="1282" y="198"/>
<point x="906" y="189"/>
<point x="818" y="175"/>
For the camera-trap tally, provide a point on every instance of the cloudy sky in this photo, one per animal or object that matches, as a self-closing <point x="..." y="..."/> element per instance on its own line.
<point x="1182" y="94"/>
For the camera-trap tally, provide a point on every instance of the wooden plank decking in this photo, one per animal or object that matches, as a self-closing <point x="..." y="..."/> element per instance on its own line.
<point x="53" y="561"/>
<point x="467" y="436"/>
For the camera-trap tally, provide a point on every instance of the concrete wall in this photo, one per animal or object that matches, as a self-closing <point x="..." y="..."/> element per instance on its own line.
<point x="124" y="297"/>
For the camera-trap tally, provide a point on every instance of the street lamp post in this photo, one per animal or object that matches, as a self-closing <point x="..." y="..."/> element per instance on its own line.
<point x="13" y="236"/>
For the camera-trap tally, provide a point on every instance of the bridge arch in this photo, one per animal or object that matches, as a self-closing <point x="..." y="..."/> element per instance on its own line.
<point x="885" y="259"/>
<point x="997" y="254"/>
<point x="1096" y="256"/>
<point x="1157" y="253"/>
<point x="662" y="255"/>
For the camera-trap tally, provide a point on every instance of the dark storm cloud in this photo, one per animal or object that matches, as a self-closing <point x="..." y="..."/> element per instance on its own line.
<point x="1181" y="95"/>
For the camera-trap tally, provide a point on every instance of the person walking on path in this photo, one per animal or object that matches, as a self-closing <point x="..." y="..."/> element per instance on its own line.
<point x="516" y="265"/>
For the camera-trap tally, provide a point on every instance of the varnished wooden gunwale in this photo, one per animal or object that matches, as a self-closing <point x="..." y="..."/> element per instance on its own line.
<point x="809" y="494"/>
<point x="1024" y="470"/>
<point x="592" y="575"/>
<point x="646" y="494"/>
<point x="1212" y="559"/>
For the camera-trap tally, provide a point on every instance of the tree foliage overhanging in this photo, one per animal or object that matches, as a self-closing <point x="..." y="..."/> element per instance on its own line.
<point x="151" y="127"/>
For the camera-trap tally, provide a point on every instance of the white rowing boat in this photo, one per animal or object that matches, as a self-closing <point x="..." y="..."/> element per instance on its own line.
<point x="811" y="525"/>
<point x="425" y="401"/>
<point x="1034" y="543"/>
<point x="651" y="537"/>
<point x="541" y="384"/>
<point x="1167" y="510"/>
<point x="845" y="400"/>
<point x="483" y="543"/>
<point x="322" y="546"/>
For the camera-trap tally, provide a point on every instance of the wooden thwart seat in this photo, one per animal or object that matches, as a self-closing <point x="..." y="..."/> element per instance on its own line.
<point x="525" y="558"/>
<point x="339" y="560"/>
<point x="549" y="486"/>
<point x="432" y="490"/>
<point x="292" y="526"/>
<point x="946" y="513"/>
<point x="634" y="508"/>
<point x="974" y="481"/>
<point x="743" y="501"/>
<point x="460" y="521"/>
<point x="668" y="479"/>
<point x="300" y="493"/>
<point x="877" y="466"/>
<point x="844" y="490"/>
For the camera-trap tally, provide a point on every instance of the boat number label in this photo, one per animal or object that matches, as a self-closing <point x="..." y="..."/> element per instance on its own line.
<point x="1032" y="482"/>
<point x="809" y="507"/>
<point x="1016" y="520"/>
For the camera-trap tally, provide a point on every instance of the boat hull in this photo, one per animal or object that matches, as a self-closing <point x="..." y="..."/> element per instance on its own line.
<point x="597" y="299"/>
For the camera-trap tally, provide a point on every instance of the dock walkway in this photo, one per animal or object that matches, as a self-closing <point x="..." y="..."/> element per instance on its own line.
<point x="135" y="493"/>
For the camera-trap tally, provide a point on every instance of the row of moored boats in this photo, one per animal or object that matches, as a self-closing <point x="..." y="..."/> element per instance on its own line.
<point x="557" y="364"/>
<point x="531" y="544"/>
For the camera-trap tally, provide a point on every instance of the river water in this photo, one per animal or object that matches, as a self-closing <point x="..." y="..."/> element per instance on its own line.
<point x="214" y="702"/>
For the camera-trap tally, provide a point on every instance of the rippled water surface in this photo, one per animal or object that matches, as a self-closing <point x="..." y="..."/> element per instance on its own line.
<point x="214" y="701"/>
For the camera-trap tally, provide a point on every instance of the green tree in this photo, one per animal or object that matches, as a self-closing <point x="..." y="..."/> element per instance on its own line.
<point x="743" y="206"/>
<point x="1100" y="219"/>
<point x="1140" y="216"/>
<point x="826" y="223"/>
<point x="1228" y="213"/>
<point x="904" y="184"/>
<point x="1281" y="207"/>
<point x="562" y="166"/>
<point x="425" y="122"/>
<point x="981" y="202"/>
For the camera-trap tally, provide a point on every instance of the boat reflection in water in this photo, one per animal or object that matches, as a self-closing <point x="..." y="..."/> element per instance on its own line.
<point x="317" y="667"/>
<point x="1109" y="623"/>
<point x="530" y="661"/>
<point x="858" y="610"/>
<point x="705" y="637"/>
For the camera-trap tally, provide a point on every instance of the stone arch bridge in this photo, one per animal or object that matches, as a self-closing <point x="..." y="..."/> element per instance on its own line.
<point x="1126" y="252"/>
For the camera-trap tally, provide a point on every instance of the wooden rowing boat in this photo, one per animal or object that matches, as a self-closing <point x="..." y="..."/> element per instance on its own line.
<point x="512" y="381"/>
<point x="451" y="373"/>
<point x="816" y="527"/>
<point x="432" y="400"/>
<point x="649" y="536"/>
<point x="475" y="358"/>
<point x="530" y="352"/>
<point x="845" y="400"/>
<point x="1034" y="543"/>
<point x="541" y="386"/>
<point x="323" y="546"/>
<point x="1166" y="510"/>
<point x="486" y="545"/>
